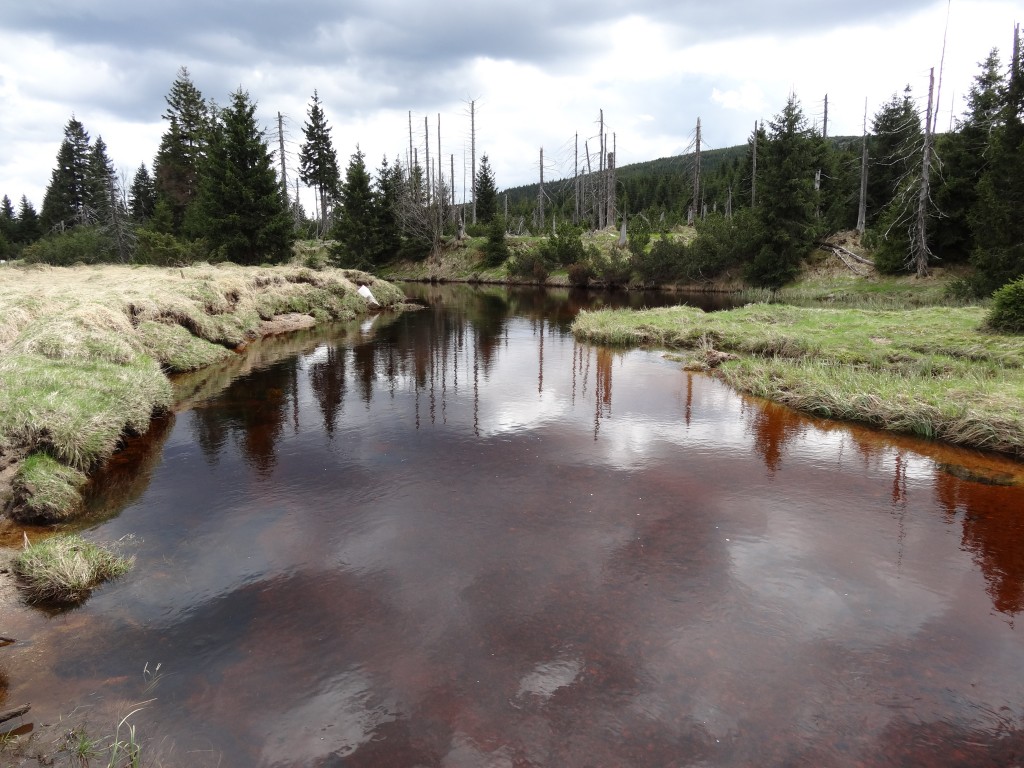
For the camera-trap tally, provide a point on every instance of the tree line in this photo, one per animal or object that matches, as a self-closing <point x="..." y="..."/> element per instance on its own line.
<point x="214" y="193"/>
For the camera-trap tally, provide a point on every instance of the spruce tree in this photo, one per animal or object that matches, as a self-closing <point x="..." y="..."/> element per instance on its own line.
<point x="486" y="192"/>
<point x="996" y="220"/>
<point x="239" y="208"/>
<point x="388" y="192"/>
<point x="8" y="227"/>
<point x="29" y="227"/>
<point x="101" y="184"/>
<point x="787" y="202"/>
<point x="893" y="149"/>
<point x="318" y="162"/>
<point x="66" y="197"/>
<point x="142" y="195"/>
<point x="176" y="168"/>
<point x="354" y="226"/>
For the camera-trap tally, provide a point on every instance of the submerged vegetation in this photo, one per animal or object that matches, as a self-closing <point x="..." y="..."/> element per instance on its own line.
<point x="65" y="568"/>
<point x="85" y="353"/>
<point x="934" y="372"/>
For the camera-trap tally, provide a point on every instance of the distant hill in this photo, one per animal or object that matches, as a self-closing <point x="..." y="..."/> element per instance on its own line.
<point x="660" y="186"/>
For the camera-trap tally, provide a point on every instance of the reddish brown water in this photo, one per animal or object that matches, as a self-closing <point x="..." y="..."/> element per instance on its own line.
<point x="457" y="538"/>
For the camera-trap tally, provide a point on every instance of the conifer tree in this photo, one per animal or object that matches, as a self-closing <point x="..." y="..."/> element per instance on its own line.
<point x="176" y="168"/>
<point x="787" y="202"/>
<point x="388" y="193"/>
<point x="318" y="162"/>
<point x="486" y="192"/>
<point x="354" y="226"/>
<point x="102" y="182"/>
<point x="66" y="197"/>
<point x="29" y="228"/>
<point x="239" y="208"/>
<point x="996" y="221"/>
<point x="893" y="151"/>
<point x="142" y="195"/>
<point x="8" y="227"/>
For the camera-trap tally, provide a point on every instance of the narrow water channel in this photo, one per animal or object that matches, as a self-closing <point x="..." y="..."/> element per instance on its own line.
<point x="456" y="537"/>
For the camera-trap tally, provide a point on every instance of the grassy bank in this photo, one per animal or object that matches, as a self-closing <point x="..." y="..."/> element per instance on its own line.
<point x="85" y="353"/>
<point x="932" y="371"/>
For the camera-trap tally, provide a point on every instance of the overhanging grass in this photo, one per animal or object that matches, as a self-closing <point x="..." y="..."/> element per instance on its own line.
<point x="51" y="490"/>
<point x="84" y="350"/>
<point x="66" y="568"/>
<point x="931" y="371"/>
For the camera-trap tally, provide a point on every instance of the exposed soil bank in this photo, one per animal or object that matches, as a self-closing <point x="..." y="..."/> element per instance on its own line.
<point x="932" y="372"/>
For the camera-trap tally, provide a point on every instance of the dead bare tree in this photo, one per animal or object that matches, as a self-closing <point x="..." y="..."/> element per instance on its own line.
<point x="920" y="252"/>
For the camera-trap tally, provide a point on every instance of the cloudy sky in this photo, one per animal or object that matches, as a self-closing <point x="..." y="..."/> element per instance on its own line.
<point x="539" y="72"/>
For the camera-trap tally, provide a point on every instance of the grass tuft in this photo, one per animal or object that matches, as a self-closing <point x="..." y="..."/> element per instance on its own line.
<point x="46" y="491"/>
<point x="66" y="568"/>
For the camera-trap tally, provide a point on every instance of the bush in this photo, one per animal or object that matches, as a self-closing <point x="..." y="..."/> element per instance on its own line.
<point x="564" y="247"/>
<point x="581" y="273"/>
<point x="663" y="263"/>
<point x="615" y="268"/>
<point x="162" y="250"/>
<point x="495" y="249"/>
<point x="530" y="266"/>
<point x="66" y="568"/>
<point x="81" y="245"/>
<point x="1007" y="313"/>
<point x="638" y="235"/>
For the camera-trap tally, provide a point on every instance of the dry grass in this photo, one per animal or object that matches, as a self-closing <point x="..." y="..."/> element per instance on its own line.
<point x="84" y="350"/>
<point x="66" y="568"/>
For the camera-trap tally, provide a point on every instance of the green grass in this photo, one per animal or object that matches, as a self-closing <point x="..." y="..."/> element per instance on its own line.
<point x="84" y="351"/>
<point x="66" y="568"/>
<point x="50" y="490"/>
<point x="932" y="371"/>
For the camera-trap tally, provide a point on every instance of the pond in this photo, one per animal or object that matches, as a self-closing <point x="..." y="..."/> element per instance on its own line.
<point x="456" y="537"/>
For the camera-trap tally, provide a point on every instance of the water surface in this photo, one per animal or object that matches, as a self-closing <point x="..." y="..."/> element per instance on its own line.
<point x="458" y="538"/>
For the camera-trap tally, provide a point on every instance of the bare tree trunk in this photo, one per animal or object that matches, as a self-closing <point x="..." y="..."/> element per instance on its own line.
<point x="601" y="210"/>
<point x="426" y="160"/>
<point x="862" y="209"/>
<point x="472" y="144"/>
<point x="824" y="123"/>
<point x="540" y="194"/>
<point x="696" y="173"/>
<point x="590" y="181"/>
<point x="576" y="179"/>
<point x="284" y="168"/>
<point x="920" y="241"/>
<point x="753" y="171"/>
<point x="611" y="184"/>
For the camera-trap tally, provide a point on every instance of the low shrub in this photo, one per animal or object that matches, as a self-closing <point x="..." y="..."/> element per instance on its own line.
<point x="66" y="568"/>
<point x="81" y="245"/>
<point x="1007" y="313"/>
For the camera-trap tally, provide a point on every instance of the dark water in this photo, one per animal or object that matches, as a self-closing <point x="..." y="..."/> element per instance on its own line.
<point x="457" y="538"/>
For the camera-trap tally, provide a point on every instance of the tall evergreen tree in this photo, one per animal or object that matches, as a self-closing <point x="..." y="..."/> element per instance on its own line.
<point x="486" y="192"/>
<point x="996" y="221"/>
<point x="787" y="202"/>
<point x="142" y="195"/>
<point x="965" y="156"/>
<point x="176" y="168"/>
<point x="318" y="162"/>
<point x="239" y="208"/>
<point x="102" y="183"/>
<point x="29" y="228"/>
<point x="354" y="225"/>
<point x="388" y="192"/>
<point x="8" y="227"/>
<point x="66" y="197"/>
<point x="893" y="149"/>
